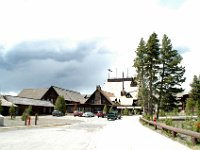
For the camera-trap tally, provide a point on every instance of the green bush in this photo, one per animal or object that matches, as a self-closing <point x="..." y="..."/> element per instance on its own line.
<point x="105" y="109"/>
<point x="110" y="109"/>
<point x="162" y="113"/>
<point x="148" y="117"/>
<point x="175" y="111"/>
<point x="126" y="112"/>
<point x="12" y="112"/>
<point x="60" y="104"/>
<point x="169" y="121"/>
<point x="197" y="126"/>
<point x="26" y="113"/>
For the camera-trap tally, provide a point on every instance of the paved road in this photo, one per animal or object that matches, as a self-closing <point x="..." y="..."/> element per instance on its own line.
<point x="89" y="134"/>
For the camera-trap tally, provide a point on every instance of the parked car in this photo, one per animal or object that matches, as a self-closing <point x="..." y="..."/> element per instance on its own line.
<point x="57" y="113"/>
<point x="88" y="114"/>
<point x="78" y="113"/>
<point x="100" y="114"/>
<point x="114" y="115"/>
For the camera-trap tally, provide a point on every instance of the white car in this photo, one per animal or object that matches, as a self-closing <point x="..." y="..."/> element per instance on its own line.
<point x="88" y="114"/>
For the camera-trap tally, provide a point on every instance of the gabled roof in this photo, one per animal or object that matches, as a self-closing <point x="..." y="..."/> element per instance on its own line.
<point x="33" y="93"/>
<point x="28" y="101"/>
<point x="70" y="95"/>
<point x="39" y="93"/>
<point x="106" y="94"/>
<point x="6" y="103"/>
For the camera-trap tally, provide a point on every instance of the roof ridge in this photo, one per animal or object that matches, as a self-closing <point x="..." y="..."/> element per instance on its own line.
<point x="65" y="89"/>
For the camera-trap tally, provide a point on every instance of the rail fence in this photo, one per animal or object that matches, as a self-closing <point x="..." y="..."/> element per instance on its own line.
<point x="194" y="135"/>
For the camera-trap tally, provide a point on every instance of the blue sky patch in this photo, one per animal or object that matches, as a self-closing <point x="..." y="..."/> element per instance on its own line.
<point x="171" y="3"/>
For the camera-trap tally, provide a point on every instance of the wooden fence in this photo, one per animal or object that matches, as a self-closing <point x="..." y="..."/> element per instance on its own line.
<point x="194" y="135"/>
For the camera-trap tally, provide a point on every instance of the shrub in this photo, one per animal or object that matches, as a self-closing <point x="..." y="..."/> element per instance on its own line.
<point x="162" y="113"/>
<point x="111" y="109"/>
<point x="126" y="112"/>
<point x="148" y="117"/>
<point x="60" y="104"/>
<point x="26" y="113"/>
<point x="175" y="111"/>
<point x="197" y="126"/>
<point x="169" y="121"/>
<point x="12" y="112"/>
<point x="105" y="109"/>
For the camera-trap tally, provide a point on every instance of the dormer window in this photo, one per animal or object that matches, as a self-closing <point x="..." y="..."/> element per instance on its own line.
<point x="128" y="95"/>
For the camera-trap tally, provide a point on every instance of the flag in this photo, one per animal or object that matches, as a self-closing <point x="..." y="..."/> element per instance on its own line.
<point x="110" y="70"/>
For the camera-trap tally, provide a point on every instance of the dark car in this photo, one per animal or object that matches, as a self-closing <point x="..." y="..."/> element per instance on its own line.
<point x="114" y="115"/>
<point x="100" y="114"/>
<point x="78" y="113"/>
<point x="57" y="113"/>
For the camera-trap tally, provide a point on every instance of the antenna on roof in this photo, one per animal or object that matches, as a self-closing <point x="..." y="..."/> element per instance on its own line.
<point x="109" y="70"/>
<point x="123" y="81"/>
<point x="127" y="73"/>
<point x="116" y="72"/>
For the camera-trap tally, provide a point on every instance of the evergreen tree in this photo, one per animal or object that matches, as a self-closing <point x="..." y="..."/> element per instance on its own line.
<point x="195" y="93"/>
<point x="111" y="109"/>
<point x="151" y="67"/>
<point x="190" y="106"/>
<point x="142" y="83"/>
<point x="159" y="73"/>
<point x="26" y="113"/>
<point x="12" y="111"/>
<point x="1" y="108"/>
<point x="60" y="104"/>
<point x="170" y="76"/>
<point x="105" y="109"/>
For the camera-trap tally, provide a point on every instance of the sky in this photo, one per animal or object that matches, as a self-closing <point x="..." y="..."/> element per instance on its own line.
<point x="72" y="43"/>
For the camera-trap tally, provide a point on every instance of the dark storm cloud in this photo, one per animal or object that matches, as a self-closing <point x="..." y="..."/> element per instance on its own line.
<point x="44" y="63"/>
<point x="42" y="50"/>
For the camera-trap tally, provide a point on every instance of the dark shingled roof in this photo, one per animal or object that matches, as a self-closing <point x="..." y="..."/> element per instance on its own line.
<point x="28" y="101"/>
<point x="70" y="95"/>
<point x="5" y="102"/>
<point x="33" y="93"/>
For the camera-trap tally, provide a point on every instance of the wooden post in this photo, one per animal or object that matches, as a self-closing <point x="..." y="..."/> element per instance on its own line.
<point x="155" y="126"/>
<point x="36" y="118"/>
<point x="25" y="123"/>
<point x="194" y="140"/>
<point x="174" y="134"/>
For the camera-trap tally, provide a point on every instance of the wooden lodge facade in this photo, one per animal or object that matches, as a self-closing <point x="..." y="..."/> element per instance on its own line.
<point x="38" y="106"/>
<point x="98" y="100"/>
<point x="72" y="98"/>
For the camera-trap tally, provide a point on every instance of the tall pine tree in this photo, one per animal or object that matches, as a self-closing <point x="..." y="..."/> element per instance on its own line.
<point x="142" y="83"/>
<point x="160" y="74"/>
<point x="151" y="67"/>
<point x="194" y="95"/>
<point x="170" y="76"/>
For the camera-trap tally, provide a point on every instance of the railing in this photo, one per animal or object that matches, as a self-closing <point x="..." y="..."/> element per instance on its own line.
<point x="194" y="135"/>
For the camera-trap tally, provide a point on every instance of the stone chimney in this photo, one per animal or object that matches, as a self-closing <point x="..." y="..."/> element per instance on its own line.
<point x="97" y="99"/>
<point x="123" y="93"/>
